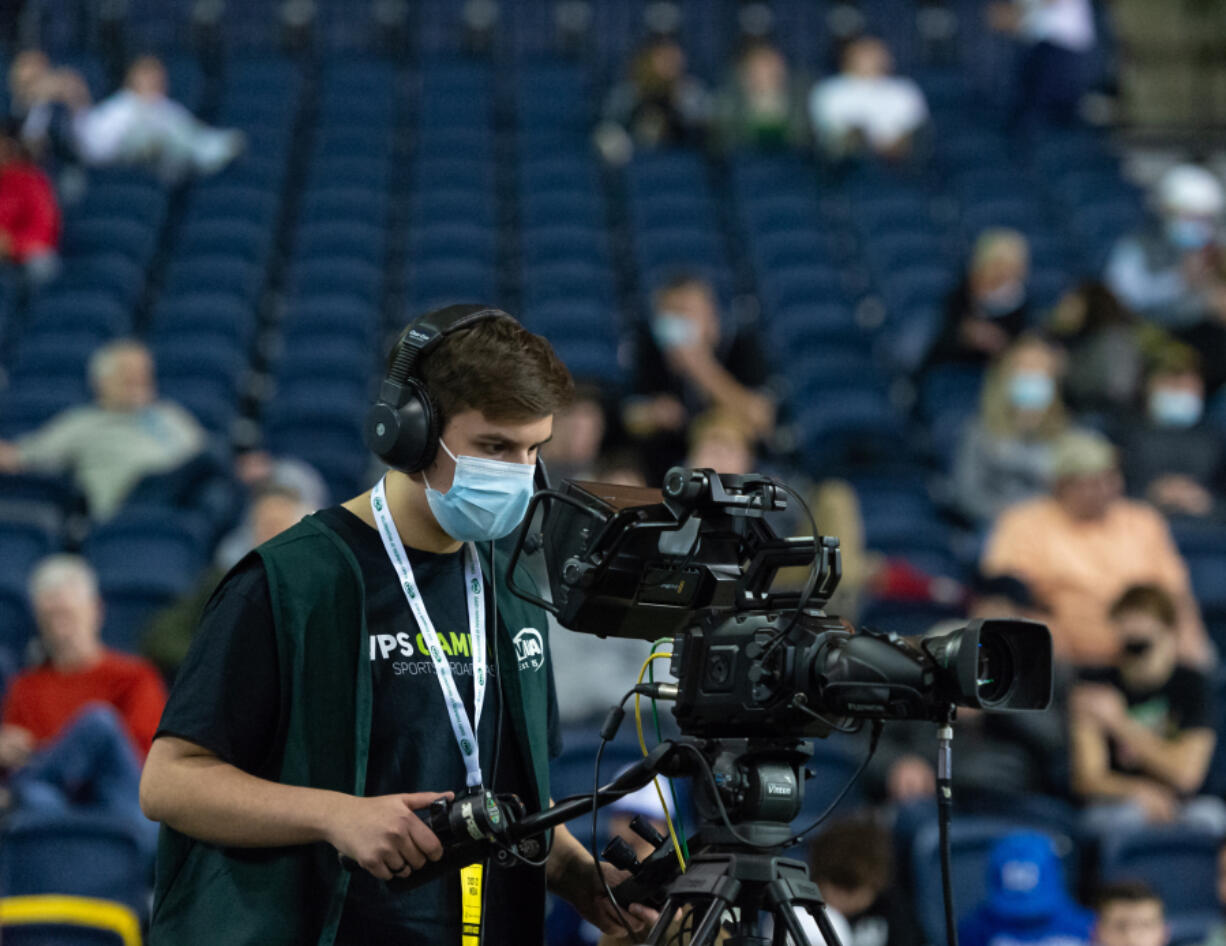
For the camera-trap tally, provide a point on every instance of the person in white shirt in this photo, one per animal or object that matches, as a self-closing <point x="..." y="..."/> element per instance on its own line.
<point x="865" y="107"/>
<point x="141" y="124"/>
<point x="1058" y="38"/>
<point x="126" y="434"/>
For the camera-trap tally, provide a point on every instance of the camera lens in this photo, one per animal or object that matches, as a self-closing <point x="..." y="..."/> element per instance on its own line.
<point x="994" y="675"/>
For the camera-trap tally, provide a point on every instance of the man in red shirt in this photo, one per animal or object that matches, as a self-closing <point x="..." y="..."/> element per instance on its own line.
<point x="29" y="215"/>
<point x="75" y="730"/>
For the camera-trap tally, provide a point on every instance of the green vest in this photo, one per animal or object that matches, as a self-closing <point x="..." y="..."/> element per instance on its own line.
<point x="293" y="896"/>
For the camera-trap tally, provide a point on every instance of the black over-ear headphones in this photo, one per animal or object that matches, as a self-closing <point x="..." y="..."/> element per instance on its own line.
<point x="402" y="427"/>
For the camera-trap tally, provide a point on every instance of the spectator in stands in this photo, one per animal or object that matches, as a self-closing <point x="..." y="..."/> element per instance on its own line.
<point x="760" y="108"/>
<point x="852" y="864"/>
<point x="141" y="125"/>
<point x="75" y="729"/>
<point x="1130" y="913"/>
<point x="1106" y="345"/>
<point x="1006" y="453"/>
<point x="685" y="363"/>
<point x="1174" y="272"/>
<point x="1142" y="729"/>
<point x="110" y="444"/>
<point x="1081" y="547"/>
<point x="1026" y="901"/>
<point x="1170" y="456"/>
<point x="43" y="100"/>
<point x="274" y="508"/>
<point x="989" y="309"/>
<point x="865" y="108"/>
<point x="1058" y="37"/>
<point x="719" y="441"/>
<point x="578" y="435"/>
<point x="660" y="105"/>
<point x="29" y="212"/>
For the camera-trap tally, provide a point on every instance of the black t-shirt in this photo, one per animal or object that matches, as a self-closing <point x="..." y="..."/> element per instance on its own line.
<point x="1183" y="703"/>
<point x="740" y="353"/>
<point x="226" y="699"/>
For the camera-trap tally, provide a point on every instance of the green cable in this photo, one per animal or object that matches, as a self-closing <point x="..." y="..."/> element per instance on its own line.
<point x="680" y="828"/>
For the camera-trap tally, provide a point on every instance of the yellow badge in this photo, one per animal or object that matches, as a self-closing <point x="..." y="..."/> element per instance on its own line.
<point x="470" y="904"/>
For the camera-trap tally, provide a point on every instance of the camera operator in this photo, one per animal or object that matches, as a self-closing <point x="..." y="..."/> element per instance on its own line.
<point x="332" y="690"/>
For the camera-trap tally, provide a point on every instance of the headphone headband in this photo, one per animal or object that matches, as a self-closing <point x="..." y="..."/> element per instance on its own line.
<point x="424" y="334"/>
<point x="402" y="426"/>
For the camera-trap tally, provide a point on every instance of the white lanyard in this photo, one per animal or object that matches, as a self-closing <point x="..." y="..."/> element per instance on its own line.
<point x="465" y="736"/>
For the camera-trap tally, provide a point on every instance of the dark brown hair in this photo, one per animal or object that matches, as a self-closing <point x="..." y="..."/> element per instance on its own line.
<point x="1146" y="599"/>
<point x="852" y="853"/>
<point x="497" y="367"/>
<point x="1124" y="891"/>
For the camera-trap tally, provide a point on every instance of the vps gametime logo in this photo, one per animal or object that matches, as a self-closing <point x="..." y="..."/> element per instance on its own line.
<point x="530" y="649"/>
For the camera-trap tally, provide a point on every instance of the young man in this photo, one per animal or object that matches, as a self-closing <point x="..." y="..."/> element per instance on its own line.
<point x="330" y="691"/>
<point x="1142" y="731"/>
<point x="1129" y="914"/>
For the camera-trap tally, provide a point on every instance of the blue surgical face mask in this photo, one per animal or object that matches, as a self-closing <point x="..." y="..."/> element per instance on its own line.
<point x="1171" y="407"/>
<point x="1188" y="234"/>
<point x="1003" y="299"/>
<point x="487" y="499"/>
<point x="1031" y="390"/>
<point x="672" y="330"/>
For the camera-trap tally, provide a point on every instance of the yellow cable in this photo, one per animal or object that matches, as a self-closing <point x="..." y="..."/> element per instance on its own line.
<point x="638" y="725"/>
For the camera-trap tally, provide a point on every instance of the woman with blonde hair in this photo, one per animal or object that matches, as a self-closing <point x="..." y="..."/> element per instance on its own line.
<point x="1006" y="452"/>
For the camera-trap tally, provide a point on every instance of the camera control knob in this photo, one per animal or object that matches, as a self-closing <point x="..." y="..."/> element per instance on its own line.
<point x="573" y="572"/>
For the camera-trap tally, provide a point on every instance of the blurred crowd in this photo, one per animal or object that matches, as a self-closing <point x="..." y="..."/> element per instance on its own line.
<point x="1093" y="437"/>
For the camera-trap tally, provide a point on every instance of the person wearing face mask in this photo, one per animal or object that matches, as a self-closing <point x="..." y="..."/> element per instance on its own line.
<point x="1170" y="456"/>
<point x="1006" y="453"/>
<point x="989" y="309"/>
<point x="1142" y="729"/>
<point x="685" y="363"/>
<point x="109" y="445"/>
<point x="366" y="662"/>
<point x="1173" y="272"/>
<point x="1082" y="545"/>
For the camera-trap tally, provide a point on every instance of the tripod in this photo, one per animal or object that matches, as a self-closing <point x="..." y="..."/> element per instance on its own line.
<point x="746" y="793"/>
<point x="752" y="883"/>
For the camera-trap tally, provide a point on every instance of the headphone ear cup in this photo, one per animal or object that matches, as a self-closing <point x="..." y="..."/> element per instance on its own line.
<point x="404" y="436"/>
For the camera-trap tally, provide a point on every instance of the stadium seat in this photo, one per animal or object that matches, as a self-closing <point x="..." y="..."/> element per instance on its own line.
<point x="55" y="920"/>
<point x="88" y="855"/>
<point x="1179" y="862"/>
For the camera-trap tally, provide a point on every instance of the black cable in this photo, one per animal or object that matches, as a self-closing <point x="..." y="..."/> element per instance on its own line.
<point x="810" y="583"/>
<point x="611" y="724"/>
<point x="872" y="749"/>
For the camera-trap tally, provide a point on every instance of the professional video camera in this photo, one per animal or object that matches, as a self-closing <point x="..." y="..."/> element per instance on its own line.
<point x="759" y="668"/>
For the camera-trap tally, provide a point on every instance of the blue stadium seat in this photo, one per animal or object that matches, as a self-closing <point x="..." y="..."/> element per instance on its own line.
<point x="343" y="202"/>
<point x="144" y="558"/>
<point x="88" y="855"/>
<point x="1179" y="862"/>
<point x="460" y="241"/>
<point x="220" y="273"/>
<point x="229" y="236"/>
<point x="222" y="315"/>
<point x="80" y="312"/>
<point x="336" y="240"/>
<point x="357" y="277"/>
<point x="353" y="317"/>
